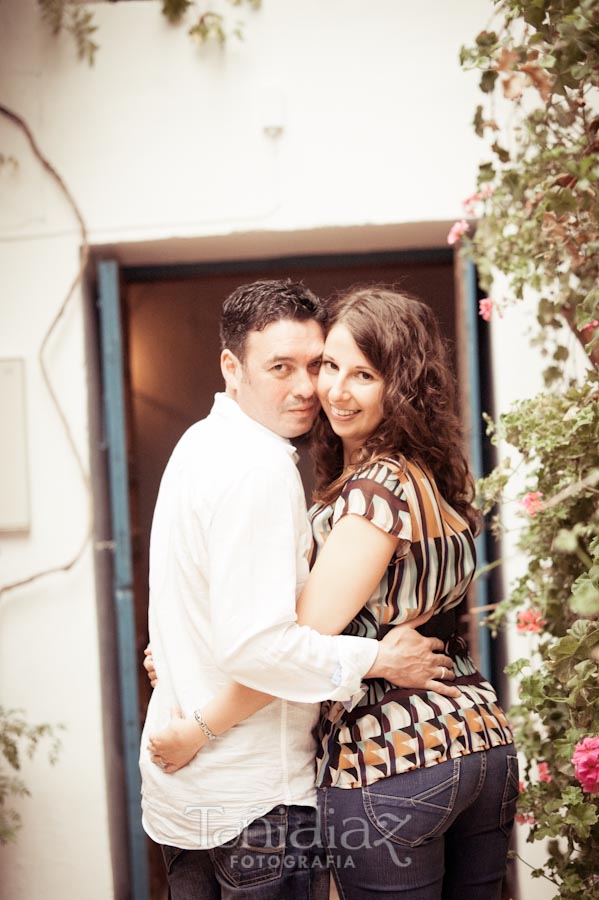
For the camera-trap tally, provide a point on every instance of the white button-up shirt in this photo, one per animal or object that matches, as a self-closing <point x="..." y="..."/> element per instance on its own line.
<point x="228" y="558"/>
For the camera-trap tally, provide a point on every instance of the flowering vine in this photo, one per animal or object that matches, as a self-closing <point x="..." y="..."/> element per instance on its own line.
<point x="538" y="206"/>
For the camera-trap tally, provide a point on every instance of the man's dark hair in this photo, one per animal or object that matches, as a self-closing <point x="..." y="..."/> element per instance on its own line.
<point x="252" y="307"/>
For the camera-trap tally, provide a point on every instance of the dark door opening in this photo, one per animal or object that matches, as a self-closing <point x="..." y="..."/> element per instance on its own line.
<point x="171" y="321"/>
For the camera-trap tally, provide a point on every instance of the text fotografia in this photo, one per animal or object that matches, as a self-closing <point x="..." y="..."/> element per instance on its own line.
<point x="248" y="861"/>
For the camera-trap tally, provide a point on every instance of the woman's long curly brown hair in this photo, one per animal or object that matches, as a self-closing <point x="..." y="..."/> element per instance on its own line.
<point x="400" y="337"/>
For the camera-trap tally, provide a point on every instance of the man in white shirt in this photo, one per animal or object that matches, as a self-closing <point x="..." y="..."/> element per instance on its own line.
<point x="228" y="558"/>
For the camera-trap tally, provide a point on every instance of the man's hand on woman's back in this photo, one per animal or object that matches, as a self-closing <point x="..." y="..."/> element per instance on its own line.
<point x="408" y="659"/>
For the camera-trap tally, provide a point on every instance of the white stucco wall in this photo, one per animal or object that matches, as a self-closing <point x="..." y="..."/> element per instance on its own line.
<point x="48" y="630"/>
<point x="162" y="139"/>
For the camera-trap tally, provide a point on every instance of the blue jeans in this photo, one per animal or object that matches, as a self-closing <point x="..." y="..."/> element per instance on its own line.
<point x="436" y="833"/>
<point x="276" y="857"/>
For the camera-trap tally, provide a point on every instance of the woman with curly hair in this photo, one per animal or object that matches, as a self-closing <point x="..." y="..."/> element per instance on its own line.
<point x="417" y="791"/>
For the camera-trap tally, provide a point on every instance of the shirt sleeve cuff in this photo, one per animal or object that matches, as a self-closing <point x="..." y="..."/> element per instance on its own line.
<point x="356" y="656"/>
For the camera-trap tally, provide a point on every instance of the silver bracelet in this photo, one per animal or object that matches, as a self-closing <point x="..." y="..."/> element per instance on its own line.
<point x="200" y="720"/>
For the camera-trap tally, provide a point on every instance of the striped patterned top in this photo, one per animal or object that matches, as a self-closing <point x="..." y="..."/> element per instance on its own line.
<point x="391" y="730"/>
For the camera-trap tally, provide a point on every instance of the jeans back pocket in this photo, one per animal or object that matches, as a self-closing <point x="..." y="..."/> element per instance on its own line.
<point x="411" y="808"/>
<point x="255" y="856"/>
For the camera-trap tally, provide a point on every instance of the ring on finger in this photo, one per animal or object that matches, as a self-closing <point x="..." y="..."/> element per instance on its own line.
<point x="443" y="673"/>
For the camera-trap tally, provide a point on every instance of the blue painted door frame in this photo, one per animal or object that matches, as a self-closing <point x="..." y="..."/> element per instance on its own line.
<point x="481" y="585"/>
<point x="114" y="424"/>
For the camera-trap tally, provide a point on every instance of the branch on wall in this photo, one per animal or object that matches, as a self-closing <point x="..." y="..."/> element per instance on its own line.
<point x="24" y="127"/>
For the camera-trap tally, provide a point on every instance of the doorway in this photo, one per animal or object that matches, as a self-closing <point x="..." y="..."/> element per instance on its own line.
<point x="170" y="347"/>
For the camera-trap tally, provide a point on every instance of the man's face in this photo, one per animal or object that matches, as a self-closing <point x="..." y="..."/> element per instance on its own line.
<point x="276" y="383"/>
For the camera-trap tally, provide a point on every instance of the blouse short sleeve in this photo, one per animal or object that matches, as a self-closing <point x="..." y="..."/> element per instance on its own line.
<point x="377" y="494"/>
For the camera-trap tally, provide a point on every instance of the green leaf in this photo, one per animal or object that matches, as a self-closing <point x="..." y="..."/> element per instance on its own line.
<point x="585" y="598"/>
<point x="565" y="541"/>
<point x="487" y="81"/>
<point x="533" y="15"/>
<point x="486" y="40"/>
<point x="478" y="121"/>
<point x="174" y="10"/>
<point x="503" y="154"/>
<point x="551" y="375"/>
<point x="582" y="817"/>
<point x="516" y="668"/>
<point x="486" y="173"/>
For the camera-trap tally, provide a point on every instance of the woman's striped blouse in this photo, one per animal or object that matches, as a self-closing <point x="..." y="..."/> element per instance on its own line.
<point x="391" y="730"/>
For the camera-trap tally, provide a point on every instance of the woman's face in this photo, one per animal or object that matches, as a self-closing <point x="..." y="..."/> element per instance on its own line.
<point x="350" y="390"/>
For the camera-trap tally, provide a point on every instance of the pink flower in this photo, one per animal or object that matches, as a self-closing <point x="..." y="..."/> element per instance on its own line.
<point x="590" y="326"/>
<point x="532" y="502"/>
<point x="470" y="202"/>
<point x="525" y="819"/>
<point x="586" y="764"/>
<point x="485" y="308"/>
<point x="456" y="231"/>
<point x="544" y="772"/>
<point x="530" y="620"/>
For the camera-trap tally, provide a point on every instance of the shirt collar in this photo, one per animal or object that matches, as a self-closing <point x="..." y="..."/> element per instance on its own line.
<point x="229" y="409"/>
